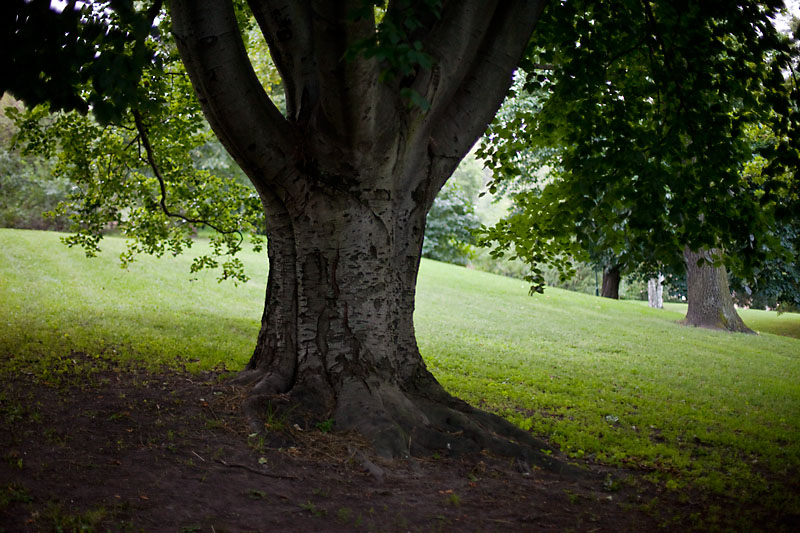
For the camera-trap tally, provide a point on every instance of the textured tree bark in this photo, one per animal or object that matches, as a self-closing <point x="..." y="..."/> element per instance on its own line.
<point x="611" y="280"/>
<point x="708" y="294"/>
<point x="346" y="179"/>
<point x="655" y="290"/>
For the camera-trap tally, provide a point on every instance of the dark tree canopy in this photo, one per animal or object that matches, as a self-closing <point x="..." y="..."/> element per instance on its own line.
<point x="647" y="128"/>
<point x="88" y="56"/>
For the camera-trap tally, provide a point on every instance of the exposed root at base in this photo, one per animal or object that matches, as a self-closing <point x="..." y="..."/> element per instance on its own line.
<point x="400" y="423"/>
<point x="719" y="326"/>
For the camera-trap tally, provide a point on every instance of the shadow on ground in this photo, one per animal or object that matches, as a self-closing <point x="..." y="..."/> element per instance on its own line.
<point x="104" y="448"/>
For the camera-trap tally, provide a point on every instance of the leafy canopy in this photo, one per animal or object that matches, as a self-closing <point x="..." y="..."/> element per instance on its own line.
<point x="646" y="128"/>
<point x="136" y="160"/>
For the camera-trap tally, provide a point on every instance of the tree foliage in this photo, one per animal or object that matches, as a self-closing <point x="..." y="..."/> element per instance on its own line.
<point x="89" y="55"/>
<point x="450" y="225"/>
<point x="646" y="128"/>
<point x="28" y="192"/>
<point x="154" y="173"/>
<point x="777" y="281"/>
<point x="27" y="188"/>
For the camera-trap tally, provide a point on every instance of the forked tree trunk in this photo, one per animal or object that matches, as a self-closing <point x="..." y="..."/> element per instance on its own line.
<point x="708" y="294"/>
<point x="346" y="179"/>
<point x="611" y="280"/>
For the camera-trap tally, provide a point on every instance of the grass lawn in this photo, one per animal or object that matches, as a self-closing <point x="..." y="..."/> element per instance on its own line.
<point x="613" y="381"/>
<point x="786" y="324"/>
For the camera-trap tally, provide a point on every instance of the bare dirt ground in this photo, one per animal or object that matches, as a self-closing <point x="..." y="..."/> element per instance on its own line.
<point x="136" y="450"/>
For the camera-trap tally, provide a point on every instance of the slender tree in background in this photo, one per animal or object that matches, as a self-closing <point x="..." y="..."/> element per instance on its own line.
<point x="655" y="291"/>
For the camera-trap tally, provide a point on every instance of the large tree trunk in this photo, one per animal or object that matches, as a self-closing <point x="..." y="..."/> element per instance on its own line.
<point x="346" y="179"/>
<point x="337" y="335"/>
<point x="708" y="294"/>
<point x="611" y="280"/>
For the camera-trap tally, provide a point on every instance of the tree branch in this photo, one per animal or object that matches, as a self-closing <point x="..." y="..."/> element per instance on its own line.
<point x="350" y="84"/>
<point x="285" y="25"/>
<point x="454" y="42"/>
<point x="327" y="91"/>
<point x="254" y="471"/>
<point x="465" y="115"/>
<point x="151" y="160"/>
<point x="153" y="11"/>
<point x="241" y="113"/>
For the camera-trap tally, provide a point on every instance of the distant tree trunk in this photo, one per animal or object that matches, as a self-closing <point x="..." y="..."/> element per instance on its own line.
<point x="655" y="292"/>
<point x="611" y="279"/>
<point x="708" y="294"/>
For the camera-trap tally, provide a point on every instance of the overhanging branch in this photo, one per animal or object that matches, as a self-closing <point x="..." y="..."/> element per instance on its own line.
<point x="151" y="160"/>
<point x="240" y="112"/>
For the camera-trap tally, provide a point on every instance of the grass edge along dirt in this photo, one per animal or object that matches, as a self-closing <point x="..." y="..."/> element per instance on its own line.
<point x="612" y="381"/>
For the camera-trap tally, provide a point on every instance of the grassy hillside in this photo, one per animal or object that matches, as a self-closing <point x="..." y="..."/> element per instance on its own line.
<point x="607" y="380"/>
<point x="54" y="300"/>
<point x="618" y="381"/>
<point x="786" y="324"/>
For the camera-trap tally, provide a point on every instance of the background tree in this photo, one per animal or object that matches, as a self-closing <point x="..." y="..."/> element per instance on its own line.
<point x="27" y="188"/>
<point x="522" y="168"/>
<point x="708" y="293"/>
<point x="777" y="284"/>
<point x="650" y="133"/>
<point x="453" y="219"/>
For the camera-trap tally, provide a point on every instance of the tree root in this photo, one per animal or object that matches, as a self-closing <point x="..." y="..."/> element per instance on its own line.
<point x="401" y="423"/>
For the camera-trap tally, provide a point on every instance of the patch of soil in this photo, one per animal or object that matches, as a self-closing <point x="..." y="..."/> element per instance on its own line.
<point x="127" y="449"/>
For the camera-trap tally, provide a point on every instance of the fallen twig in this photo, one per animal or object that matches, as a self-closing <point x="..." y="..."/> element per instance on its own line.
<point x="253" y="470"/>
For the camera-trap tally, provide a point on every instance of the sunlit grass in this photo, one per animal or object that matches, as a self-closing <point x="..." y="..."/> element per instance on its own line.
<point x="55" y="300"/>
<point x="620" y="382"/>
<point x="610" y="380"/>
<point x="785" y="324"/>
